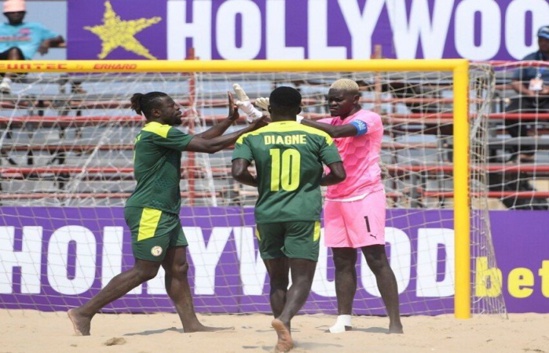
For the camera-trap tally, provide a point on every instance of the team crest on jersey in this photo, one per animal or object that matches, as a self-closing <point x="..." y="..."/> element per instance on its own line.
<point x="156" y="250"/>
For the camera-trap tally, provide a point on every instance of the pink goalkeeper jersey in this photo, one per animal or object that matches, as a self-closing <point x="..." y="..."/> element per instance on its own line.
<point x="360" y="155"/>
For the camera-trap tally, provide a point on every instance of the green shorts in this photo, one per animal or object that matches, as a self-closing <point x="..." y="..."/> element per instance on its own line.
<point x="295" y="240"/>
<point x="153" y="232"/>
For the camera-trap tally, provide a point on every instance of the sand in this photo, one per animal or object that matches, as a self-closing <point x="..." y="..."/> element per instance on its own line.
<point x="32" y="331"/>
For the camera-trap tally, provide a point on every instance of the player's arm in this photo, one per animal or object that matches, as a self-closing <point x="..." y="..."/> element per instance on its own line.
<point x="245" y="104"/>
<point x="346" y="130"/>
<point x="336" y="175"/>
<point x="220" y="128"/>
<point x="241" y="173"/>
<point x="211" y="145"/>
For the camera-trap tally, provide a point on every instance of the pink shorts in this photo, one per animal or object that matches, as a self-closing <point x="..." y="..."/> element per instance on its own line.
<point x="355" y="224"/>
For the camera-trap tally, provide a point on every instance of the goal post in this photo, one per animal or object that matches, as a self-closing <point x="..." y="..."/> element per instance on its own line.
<point x="431" y="79"/>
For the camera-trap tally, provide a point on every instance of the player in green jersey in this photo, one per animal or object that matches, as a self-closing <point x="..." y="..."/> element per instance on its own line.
<point x="152" y="211"/>
<point x="289" y="160"/>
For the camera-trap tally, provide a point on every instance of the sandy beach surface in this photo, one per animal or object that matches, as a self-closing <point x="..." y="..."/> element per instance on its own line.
<point x="33" y="331"/>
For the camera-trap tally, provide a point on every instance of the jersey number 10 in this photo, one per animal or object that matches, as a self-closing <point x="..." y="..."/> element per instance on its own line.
<point x="285" y="167"/>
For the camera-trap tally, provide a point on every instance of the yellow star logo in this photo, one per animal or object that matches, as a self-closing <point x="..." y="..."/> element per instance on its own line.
<point x="116" y="33"/>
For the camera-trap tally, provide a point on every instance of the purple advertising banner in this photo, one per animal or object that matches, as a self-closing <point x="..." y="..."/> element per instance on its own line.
<point x="521" y="242"/>
<point x="56" y="258"/>
<point x="303" y="29"/>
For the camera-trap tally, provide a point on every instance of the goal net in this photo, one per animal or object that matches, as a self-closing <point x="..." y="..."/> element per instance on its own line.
<point x="518" y="140"/>
<point x="66" y="170"/>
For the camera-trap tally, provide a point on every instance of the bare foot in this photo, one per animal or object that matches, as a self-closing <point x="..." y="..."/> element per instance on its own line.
<point x="198" y="327"/>
<point x="80" y="323"/>
<point x="395" y="329"/>
<point x="285" y="342"/>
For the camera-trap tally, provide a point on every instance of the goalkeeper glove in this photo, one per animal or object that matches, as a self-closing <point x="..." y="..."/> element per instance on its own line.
<point x="243" y="103"/>
<point x="263" y="104"/>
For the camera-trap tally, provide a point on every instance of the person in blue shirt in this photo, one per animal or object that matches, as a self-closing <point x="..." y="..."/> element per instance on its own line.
<point x="21" y="40"/>
<point x="530" y="81"/>
<point x="532" y="86"/>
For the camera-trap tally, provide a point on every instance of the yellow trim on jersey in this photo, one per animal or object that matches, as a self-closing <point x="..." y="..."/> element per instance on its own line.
<point x="316" y="234"/>
<point x="148" y="223"/>
<point x="257" y="235"/>
<point x="287" y="126"/>
<point x="157" y="128"/>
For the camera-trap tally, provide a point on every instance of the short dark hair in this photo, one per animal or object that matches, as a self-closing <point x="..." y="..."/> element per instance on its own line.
<point x="285" y="97"/>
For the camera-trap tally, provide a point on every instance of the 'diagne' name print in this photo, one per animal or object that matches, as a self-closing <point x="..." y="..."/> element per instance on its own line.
<point x="285" y="140"/>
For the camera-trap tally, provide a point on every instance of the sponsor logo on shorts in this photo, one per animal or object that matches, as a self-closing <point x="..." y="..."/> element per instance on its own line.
<point x="156" y="250"/>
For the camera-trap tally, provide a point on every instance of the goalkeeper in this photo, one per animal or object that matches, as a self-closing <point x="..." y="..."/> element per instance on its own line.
<point x="152" y="211"/>
<point x="354" y="212"/>
<point x="289" y="160"/>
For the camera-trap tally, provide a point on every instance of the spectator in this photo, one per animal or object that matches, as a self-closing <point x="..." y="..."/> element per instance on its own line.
<point x="21" y="40"/>
<point x="532" y="86"/>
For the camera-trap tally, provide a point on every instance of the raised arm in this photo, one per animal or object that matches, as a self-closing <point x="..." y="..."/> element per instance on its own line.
<point x="214" y="144"/>
<point x="346" y="130"/>
<point x="219" y="128"/>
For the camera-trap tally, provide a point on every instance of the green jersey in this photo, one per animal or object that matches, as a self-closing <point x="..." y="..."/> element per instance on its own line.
<point x="157" y="167"/>
<point x="289" y="160"/>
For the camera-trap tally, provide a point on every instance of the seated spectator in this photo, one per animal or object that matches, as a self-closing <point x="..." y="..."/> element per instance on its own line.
<point x="532" y="86"/>
<point x="21" y="40"/>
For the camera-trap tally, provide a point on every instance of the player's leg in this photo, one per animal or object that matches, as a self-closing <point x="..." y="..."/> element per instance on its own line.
<point x="121" y="284"/>
<point x="386" y="282"/>
<point x="176" y="267"/>
<point x="302" y="272"/>
<point x="344" y="256"/>
<point x="177" y="286"/>
<point x="345" y="285"/>
<point x="150" y="240"/>
<point x="271" y="241"/>
<point x="301" y="246"/>
<point x="278" y="270"/>
<point x="372" y="225"/>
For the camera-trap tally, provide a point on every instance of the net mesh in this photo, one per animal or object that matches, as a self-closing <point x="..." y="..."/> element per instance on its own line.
<point x="66" y="170"/>
<point x="518" y="141"/>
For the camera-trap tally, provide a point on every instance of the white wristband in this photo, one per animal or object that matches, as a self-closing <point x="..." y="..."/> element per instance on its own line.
<point x="298" y="118"/>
